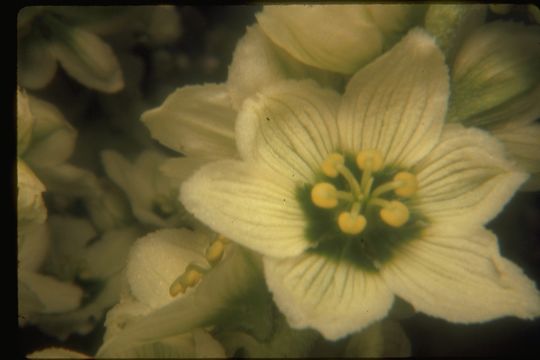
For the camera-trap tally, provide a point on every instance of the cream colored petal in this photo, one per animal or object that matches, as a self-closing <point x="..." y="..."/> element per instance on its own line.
<point x="25" y="122"/>
<point x="290" y="128"/>
<point x="397" y="103"/>
<point x="523" y="145"/>
<point x="461" y="278"/>
<point x="33" y="243"/>
<point x="247" y="204"/>
<point x="157" y="259"/>
<point x="258" y="63"/>
<point x="466" y="178"/>
<point x="36" y="64"/>
<point x="338" y="38"/>
<point x="181" y="168"/>
<point x="335" y="298"/>
<point x="392" y="19"/>
<point x="496" y="67"/>
<point x="195" y="120"/>
<point x="53" y="137"/>
<point x="88" y="59"/>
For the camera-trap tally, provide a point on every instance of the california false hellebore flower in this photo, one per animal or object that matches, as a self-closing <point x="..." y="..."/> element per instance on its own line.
<point x="354" y="199"/>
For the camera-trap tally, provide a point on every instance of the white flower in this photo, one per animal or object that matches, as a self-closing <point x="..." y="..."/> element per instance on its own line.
<point x="356" y="199"/>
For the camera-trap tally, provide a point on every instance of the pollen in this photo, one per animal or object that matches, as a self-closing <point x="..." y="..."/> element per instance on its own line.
<point x="351" y="224"/>
<point x="215" y="251"/>
<point x="191" y="277"/>
<point x="330" y="166"/>
<point x="395" y="213"/>
<point x="409" y="184"/>
<point x="324" y="195"/>
<point x="370" y="159"/>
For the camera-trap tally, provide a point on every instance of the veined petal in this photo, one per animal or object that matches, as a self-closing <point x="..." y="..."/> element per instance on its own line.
<point x="88" y="59"/>
<point x="333" y="297"/>
<point x="247" y="204"/>
<point x="397" y="103"/>
<point x="461" y="278"/>
<point x="466" y="178"/>
<point x="258" y="63"/>
<point x="289" y="127"/>
<point x="338" y="38"/>
<point x="30" y="205"/>
<point x="195" y="120"/>
<point x="523" y="145"/>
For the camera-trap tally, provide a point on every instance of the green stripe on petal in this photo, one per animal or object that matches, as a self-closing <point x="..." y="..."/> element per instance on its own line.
<point x="461" y="278"/>
<point x="466" y="178"/>
<point x="496" y="66"/>
<point x="249" y="205"/>
<point x="397" y="103"/>
<point x="331" y="296"/>
<point x="290" y="128"/>
<point x="195" y="120"/>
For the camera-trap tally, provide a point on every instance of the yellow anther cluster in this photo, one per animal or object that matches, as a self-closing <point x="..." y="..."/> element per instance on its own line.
<point x="394" y="213"/>
<point x="324" y="195"/>
<point x="408" y="184"/>
<point x="351" y="224"/>
<point x="371" y="159"/>
<point x="194" y="273"/>
<point x="360" y="194"/>
<point x="191" y="277"/>
<point x="332" y="163"/>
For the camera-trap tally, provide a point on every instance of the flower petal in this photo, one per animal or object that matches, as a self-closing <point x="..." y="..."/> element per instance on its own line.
<point x="57" y="353"/>
<point x="289" y="127"/>
<point x="258" y="63"/>
<point x="30" y="205"/>
<point x="333" y="297"/>
<point x="523" y="145"/>
<point x="466" y="178"/>
<point x="195" y="120"/>
<point x="157" y="259"/>
<point x="53" y="137"/>
<point x="397" y="103"/>
<point x="248" y="205"/>
<point x="88" y="59"/>
<point x="338" y="38"/>
<point x="461" y="278"/>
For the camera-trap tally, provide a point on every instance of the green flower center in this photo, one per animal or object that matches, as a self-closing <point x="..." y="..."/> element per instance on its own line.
<point x="360" y="210"/>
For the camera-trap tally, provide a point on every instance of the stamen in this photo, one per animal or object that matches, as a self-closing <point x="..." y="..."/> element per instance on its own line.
<point x="191" y="277"/>
<point x="215" y="251"/>
<point x="368" y="161"/>
<point x="410" y="184"/>
<point x="324" y="195"/>
<point x="353" y="184"/>
<point x="394" y="213"/>
<point x="330" y="165"/>
<point x="351" y="223"/>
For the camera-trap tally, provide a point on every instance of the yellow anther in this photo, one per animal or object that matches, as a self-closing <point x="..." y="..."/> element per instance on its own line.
<point x="215" y="251"/>
<point x="370" y="159"/>
<point x="351" y="224"/>
<point x="330" y="165"/>
<point x="410" y="184"/>
<point x="193" y="277"/>
<point x="394" y="213"/>
<point x="176" y="288"/>
<point x="324" y="195"/>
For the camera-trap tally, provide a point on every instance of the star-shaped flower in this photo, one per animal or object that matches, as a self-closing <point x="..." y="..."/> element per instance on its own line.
<point x="358" y="198"/>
